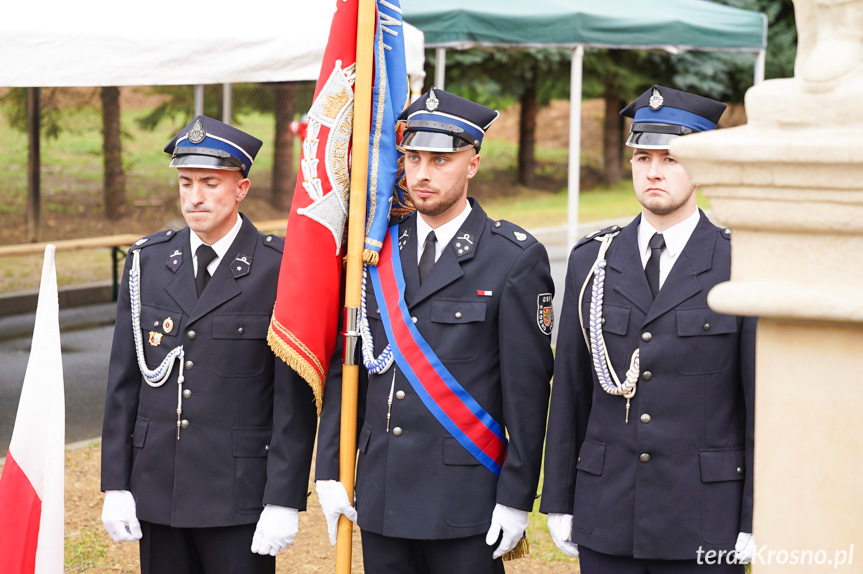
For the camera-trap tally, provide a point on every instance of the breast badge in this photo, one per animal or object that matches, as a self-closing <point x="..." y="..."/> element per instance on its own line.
<point x="168" y="325"/>
<point x="155" y="338"/>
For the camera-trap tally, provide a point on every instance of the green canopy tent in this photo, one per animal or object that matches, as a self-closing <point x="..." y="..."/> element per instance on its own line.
<point x="672" y="25"/>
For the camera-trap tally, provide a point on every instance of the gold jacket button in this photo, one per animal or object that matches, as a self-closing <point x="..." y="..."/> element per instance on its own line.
<point x="646" y="375"/>
<point x="397" y="431"/>
<point x="400" y="395"/>
<point x="184" y="424"/>
<point x="187" y="394"/>
<point x="707" y="326"/>
<point x="189" y="365"/>
<point x="644" y="457"/>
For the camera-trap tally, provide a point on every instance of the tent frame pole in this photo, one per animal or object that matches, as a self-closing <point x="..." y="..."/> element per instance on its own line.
<point x="574" y="173"/>
<point x="440" y="68"/>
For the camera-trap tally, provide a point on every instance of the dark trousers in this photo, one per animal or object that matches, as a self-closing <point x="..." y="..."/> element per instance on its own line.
<point x="388" y="555"/>
<point x="224" y="550"/>
<point x="596" y="563"/>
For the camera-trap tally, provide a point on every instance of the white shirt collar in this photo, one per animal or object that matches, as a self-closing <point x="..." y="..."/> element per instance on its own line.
<point x="675" y="236"/>
<point x="443" y="234"/>
<point x="220" y="247"/>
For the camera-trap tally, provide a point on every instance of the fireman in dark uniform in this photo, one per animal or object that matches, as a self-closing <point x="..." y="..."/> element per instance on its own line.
<point x="475" y="304"/>
<point x="207" y="437"/>
<point x="649" y="452"/>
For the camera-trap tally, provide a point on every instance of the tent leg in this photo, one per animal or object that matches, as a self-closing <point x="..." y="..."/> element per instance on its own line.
<point x="760" y="63"/>
<point x="440" y="68"/>
<point x="199" y="100"/>
<point x="574" y="174"/>
<point x="227" y="102"/>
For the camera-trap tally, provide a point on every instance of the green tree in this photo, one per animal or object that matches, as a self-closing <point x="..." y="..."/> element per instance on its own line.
<point x="114" y="180"/>
<point x="499" y="78"/>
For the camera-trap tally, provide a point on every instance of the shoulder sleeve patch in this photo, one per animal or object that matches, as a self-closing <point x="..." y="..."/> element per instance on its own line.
<point x="512" y="232"/>
<point x="273" y="242"/>
<point x="598" y="233"/>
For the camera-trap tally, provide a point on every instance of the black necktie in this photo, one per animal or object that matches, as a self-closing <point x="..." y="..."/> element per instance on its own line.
<point x="205" y="255"/>
<point x="427" y="259"/>
<point x="657" y="242"/>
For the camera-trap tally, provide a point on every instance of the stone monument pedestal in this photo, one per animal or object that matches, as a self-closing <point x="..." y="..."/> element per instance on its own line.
<point x="790" y="185"/>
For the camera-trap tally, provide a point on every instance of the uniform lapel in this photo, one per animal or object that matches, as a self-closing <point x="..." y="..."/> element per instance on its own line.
<point x="625" y="261"/>
<point x="682" y="281"/>
<point x="223" y="286"/>
<point x="182" y="287"/>
<point x="407" y="252"/>
<point x="448" y="267"/>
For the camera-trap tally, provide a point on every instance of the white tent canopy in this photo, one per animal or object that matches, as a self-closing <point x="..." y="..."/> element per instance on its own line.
<point x="106" y="43"/>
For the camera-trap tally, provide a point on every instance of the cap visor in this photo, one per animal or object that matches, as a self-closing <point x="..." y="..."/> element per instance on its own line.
<point x="648" y="140"/>
<point x="434" y="141"/>
<point x="202" y="161"/>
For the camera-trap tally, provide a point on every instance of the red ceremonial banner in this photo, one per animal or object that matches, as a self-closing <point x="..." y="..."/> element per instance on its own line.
<point x="304" y="325"/>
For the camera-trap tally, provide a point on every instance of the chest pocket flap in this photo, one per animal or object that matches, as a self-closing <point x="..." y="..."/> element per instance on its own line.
<point x="703" y="321"/>
<point x="454" y="311"/>
<point x="162" y="321"/>
<point x="247" y="326"/>
<point x="615" y="319"/>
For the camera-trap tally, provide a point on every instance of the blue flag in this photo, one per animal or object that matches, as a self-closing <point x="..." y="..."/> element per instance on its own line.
<point x="388" y="100"/>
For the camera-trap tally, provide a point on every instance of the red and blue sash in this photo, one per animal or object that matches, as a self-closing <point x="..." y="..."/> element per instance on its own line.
<point x="447" y="400"/>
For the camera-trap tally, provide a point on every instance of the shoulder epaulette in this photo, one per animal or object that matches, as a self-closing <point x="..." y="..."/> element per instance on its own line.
<point x="725" y="232"/>
<point x="153" y="239"/>
<point x="272" y="241"/>
<point x="598" y="233"/>
<point x="512" y="232"/>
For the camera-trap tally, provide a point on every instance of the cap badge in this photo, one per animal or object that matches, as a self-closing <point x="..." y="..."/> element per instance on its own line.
<point x="656" y="100"/>
<point x="197" y="133"/>
<point x="432" y="102"/>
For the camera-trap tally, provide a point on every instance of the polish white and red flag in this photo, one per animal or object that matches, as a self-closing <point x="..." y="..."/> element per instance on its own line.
<point x="31" y="486"/>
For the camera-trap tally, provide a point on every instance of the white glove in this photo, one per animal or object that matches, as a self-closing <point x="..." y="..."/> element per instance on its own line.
<point x="276" y="530"/>
<point x="745" y="548"/>
<point x="118" y="516"/>
<point x="560" y="528"/>
<point x="334" y="502"/>
<point x="513" y="523"/>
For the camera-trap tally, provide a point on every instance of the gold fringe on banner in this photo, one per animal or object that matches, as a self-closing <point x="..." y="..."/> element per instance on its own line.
<point x="521" y="550"/>
<point x="296" y="361"/>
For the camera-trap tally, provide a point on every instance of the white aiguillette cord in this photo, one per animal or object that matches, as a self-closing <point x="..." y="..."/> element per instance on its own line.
<point x="157" y="376"/>
<point x="596" y="341"/>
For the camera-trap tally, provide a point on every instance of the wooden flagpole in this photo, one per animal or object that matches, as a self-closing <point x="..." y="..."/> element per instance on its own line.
<point x="354" y="270"/>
